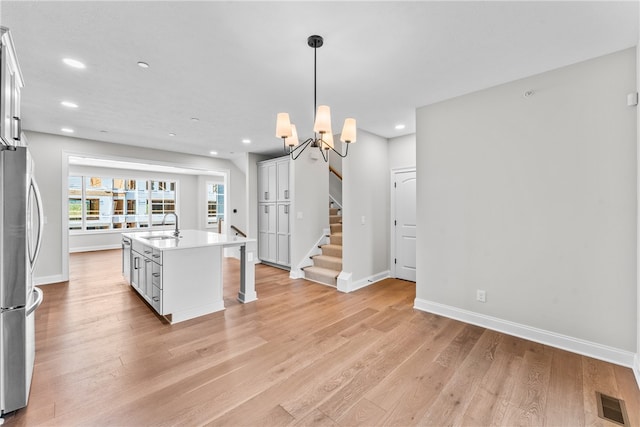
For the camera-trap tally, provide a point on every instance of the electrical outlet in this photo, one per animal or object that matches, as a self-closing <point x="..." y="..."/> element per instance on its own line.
<point x="481" y="295"/>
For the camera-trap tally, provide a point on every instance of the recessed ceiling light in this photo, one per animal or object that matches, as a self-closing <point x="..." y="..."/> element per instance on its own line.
<point x="67" y="130"/>
<point x="195" y="119"/>
<point x="74" y="63"/>
<point x="172" y="134"/>
<point x="400" y="127"/>
<point x="69" y="104"/>
<point x="143" y="64"/>
<point x="246" y="141"/>
<point x="213" y="153"/>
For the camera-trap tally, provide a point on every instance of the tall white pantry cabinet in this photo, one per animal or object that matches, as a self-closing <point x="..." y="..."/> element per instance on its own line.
<point x="274" y="207"/>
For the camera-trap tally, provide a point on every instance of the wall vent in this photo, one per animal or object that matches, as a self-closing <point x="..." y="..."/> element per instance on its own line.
<point x="612" y="409"/>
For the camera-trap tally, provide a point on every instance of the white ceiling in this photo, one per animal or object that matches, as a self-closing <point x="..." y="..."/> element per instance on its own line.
<point x="235" y="65"/>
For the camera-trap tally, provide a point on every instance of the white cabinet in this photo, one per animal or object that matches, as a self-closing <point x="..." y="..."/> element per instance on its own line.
<point x="178" y="284"/>
<point x="274" y="205"/>
<point x="267" y="228"/>
<point x="11" y="84"/>
<point x="142" y="270"/>
<point x="126" y="258"/>
<point x="267" y="187"/>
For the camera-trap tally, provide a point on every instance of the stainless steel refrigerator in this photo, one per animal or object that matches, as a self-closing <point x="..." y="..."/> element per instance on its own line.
<point x="21" y="221"/>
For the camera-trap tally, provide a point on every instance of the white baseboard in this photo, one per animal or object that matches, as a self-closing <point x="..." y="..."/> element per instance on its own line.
<point x="296" y="273"/>
<point x="346" y="283"/>
<point x="48" y="280"/>
<point x="636" y="369"/>
<point x="575" y="345"/>
<point x="94" y="248"/>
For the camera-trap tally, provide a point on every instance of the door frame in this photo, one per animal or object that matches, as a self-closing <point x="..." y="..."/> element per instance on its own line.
<point x="392" y="206"/>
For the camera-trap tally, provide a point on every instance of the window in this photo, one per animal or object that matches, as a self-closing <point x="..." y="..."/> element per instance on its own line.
<point x="215" y="203"/>
<point x="106" y="203"/>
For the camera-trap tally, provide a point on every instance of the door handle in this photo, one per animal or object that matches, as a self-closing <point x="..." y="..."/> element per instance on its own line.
<point x="18" y="128"/>
<point x="266" y="195"/>
<point x="286" y="194"/>
<point x="38" y="199"/>
<point x="37" y="302"/>
<point x="266" y="209"/>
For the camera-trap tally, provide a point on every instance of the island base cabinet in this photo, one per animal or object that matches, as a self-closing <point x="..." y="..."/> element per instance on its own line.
<point x="156" y="299"/>
<point x="191" y="283"/>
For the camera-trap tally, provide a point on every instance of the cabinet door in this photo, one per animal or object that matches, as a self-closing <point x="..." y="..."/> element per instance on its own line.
<point x="126" y="260"/>
<point x="5" y="93"/>
<point x="283" y="180"/>
<point x="136" y="261"/>
<point x="148" y="279"/>
<point x="267" y="232"/>
<point x="16" y="125"/>
<point x="267" y="191"/>
<point x="283" y="239"/>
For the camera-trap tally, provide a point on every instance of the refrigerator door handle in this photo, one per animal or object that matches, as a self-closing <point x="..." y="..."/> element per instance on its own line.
<point x="37" y="302"/>
<point x="33" y="256"/>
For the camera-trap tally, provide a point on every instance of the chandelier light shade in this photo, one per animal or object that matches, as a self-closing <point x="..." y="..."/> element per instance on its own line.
<point x="349" y="131"/>
<point x="292" y="140"/>
<point x="283" y="126"/>
<point x="321" y="125"/>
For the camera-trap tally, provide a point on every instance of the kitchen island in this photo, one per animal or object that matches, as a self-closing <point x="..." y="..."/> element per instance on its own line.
<point x="181" y="277"/>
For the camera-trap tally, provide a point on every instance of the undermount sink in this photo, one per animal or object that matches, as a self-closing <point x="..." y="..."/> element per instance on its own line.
<point x="160" y="237"/>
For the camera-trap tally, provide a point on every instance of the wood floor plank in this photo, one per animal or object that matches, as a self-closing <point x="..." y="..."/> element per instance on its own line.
<point x="528" y="401"/>
<point x="302" y="354"/>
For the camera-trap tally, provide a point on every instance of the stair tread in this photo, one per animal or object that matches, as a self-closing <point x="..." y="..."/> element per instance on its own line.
<point x="331" y="245"/>
<point x="327" y="257"/>
<point x="322" y="271"/>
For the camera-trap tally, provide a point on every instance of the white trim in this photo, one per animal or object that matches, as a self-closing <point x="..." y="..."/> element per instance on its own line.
<point x="346" y="285"/>
<point x="575" y="345"/>
<point x="333" y="200"/>
<point x="636" y="369"/>
<point x="48" y="280"/>
<point x="297" y="272"/>
<point x="64" y="215"/>
<point x="392" y="227"/>
<point x="95" y="248"/>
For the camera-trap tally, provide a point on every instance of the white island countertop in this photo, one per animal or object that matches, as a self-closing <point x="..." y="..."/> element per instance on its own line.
<point x="164" y="239"/>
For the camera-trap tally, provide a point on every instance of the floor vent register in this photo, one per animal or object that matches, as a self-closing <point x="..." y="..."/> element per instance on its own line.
<point x="612" y="409"/>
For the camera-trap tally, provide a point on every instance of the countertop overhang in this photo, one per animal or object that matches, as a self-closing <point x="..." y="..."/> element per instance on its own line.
<point x="187" y="239"/>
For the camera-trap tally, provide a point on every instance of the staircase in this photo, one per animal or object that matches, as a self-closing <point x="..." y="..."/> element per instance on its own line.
<point x="328" y="265"/>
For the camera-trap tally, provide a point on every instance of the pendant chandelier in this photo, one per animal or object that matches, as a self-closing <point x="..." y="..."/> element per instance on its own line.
<point x="322" y="123"/>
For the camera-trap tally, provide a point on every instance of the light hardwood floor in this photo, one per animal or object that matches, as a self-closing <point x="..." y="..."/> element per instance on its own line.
<point x="303" y="354"/>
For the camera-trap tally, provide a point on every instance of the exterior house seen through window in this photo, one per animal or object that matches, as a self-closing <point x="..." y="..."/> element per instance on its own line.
<point x="105" y="203"/>
<point x="215" y="203"/>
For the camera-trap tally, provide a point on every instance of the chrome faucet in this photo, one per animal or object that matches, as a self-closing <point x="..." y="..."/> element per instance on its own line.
<point x="177" y="232"/>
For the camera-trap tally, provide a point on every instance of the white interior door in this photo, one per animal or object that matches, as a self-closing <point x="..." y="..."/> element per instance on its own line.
<point x="405" y="225"/>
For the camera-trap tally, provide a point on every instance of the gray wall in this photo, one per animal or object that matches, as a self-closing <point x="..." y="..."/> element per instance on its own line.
<point x="533" y="199"/>
<point x="50" y="155"/>
<point x="365" y="191"/>
<point x="402" y="151"/>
